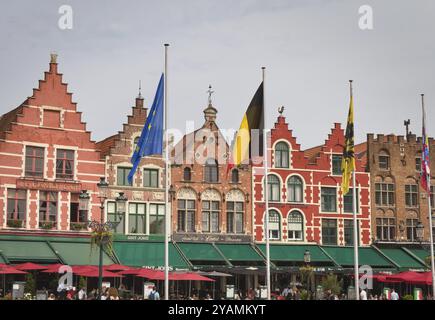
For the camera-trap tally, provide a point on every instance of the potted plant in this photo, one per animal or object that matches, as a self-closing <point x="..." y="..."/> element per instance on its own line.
<point x="46" y="225"/>
<point x="77" y="226"/>
<point x="15" y="223"/>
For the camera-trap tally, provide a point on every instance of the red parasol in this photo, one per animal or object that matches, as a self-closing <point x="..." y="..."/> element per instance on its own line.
<point x="131" y="271"/>
<point x="29" y="266"/>
<point x="150" y="274"/>
<point x="10" y="270"/>
<point x="190" y="276"/>
<point x="117" y="267"/>
<point x="95" y="274"/>
<point x="53" y="268"/>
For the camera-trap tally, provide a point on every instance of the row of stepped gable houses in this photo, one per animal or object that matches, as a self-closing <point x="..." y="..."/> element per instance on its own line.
<point x="47" y="157"/>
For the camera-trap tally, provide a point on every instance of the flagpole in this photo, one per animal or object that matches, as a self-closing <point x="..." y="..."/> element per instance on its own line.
<point x="355" y="221"/>
<point x="266" y="196"/>
<point x="432" y="264"/>
<point x="167" y="211"/>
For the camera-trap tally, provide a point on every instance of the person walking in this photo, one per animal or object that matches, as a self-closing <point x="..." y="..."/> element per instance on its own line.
<point x="154" y="295"/>
<point x="394" y="295"/>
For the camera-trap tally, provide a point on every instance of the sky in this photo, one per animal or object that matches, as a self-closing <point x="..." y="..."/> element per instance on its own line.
<point x="310" y="49"/>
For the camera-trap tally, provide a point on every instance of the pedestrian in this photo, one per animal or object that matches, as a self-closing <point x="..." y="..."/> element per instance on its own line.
<point x="154" y="295"/>
<point x="363" y="295"/>
<point x="394" y="295"/>
<point x="51" y="297"/>
<point x="82" y="294"/>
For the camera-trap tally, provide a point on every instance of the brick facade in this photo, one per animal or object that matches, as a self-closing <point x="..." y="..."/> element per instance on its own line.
<point x="300" y="177"/>
<point x="46" y="158"/>
<point x="393" y="160"/>
<point x="191" y="155"/>
<point x="145" y="205"/>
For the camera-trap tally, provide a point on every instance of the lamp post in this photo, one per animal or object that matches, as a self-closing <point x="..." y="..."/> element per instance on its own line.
<point x="102" y="227"/>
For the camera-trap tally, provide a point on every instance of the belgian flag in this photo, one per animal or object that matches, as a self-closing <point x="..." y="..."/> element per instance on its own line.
<point x="243" y="147"/>
<point x="348" y="160"/>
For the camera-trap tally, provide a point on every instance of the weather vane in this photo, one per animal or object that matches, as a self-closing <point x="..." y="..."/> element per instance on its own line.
<point x="281" y="110"/>
<point x="210" y="92"/>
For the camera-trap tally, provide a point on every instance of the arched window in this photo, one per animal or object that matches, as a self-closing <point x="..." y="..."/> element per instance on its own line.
<point x="281" y="155"/>
<point x="384" y="160"/>
<point x="235" y="176"/>
<point x="187" y="174"/>
<point x="274" y="188"/>
<point x="295" y="226"/>
<point x="211" y="171"/>
<point x="295" y="189"/>
<point x="274" y="225"/>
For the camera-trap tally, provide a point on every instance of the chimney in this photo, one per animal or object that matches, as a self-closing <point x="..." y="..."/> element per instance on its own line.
<point x="53" y="62"/>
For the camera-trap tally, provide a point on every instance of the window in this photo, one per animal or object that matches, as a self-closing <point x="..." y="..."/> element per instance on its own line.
<point x="295" y="189"/>
<point x="122" y="176"/>
<point x="210" y="216"/>
<point x="281" y="155"/>
<point x="47" y="210"/>
<point x="295" y="226"/>
<point x="329" y="199"/>
<point x="234" y="217"/>
<point x="211" y="171"/>
<point x="17" y="207"/>
<point x="136" y="218"/>
<point x="384" y="194"/>
<point x="348" y="232"/>
<point x="186" y="215"/>
<point x="411" y="230"/>
<point x="274" y="225"/>
<point x="65" y="164"/>
<point x="329" y="231"/>
<point x="411" y="195"/>
<point x="274" y="188"/>
<point x="336" y="164"/>
<point x="34" y="162"/>
<point x="76" y="216"/>
<point x="187" y="174"/>
<point x="386" y="229"/>
<point x="118" y="219"/>
<point x="235" y="176"/>
<point x="348" y="201"/>
<point x="157" y="218"/>
<point x="384" y="161"/>
<point x="418" y="164"/>
<point x="150" y="178"/>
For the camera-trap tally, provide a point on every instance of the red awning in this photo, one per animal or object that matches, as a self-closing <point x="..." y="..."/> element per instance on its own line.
<point x="53" y="268"/>
<point x="28" y="266"/>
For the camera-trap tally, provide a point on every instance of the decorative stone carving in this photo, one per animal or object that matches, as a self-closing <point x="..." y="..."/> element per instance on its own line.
<point x="158" y="196"/>
<point x="211" y="195"/>
<point x="186" y="193"/>
<point x="235" y="195"/>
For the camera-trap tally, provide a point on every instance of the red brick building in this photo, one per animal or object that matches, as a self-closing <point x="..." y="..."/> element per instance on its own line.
<point x="145" y="205"/>
<point x="46" y="158"/>
<point x="306" y="204"/>
<point x="210" y="205"/>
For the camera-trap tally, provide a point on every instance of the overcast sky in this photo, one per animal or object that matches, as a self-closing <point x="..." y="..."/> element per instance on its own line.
<point x="311" y="48"/>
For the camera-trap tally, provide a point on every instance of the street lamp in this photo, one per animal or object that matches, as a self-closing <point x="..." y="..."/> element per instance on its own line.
<point x="307" y="256"/>
<point x="419" y="230"/>
<point x="121" y="201"/>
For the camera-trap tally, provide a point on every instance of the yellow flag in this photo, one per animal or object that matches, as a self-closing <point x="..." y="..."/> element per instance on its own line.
<point x="348" y="161"/>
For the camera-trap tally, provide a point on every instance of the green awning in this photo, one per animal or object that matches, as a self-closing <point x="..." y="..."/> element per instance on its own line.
<point x="79" y="253"/>
<point x="240" y="254"/>
<point x="201" y="253"/>
<point x="366" y="256"/>
<point x="402" y="259"/>
<point x="420" y="253"/>
<point x="147" y="253"/>
<point x="27" y="251"/>
<point x="282" y="254"/>
<point x="2" y="260"/>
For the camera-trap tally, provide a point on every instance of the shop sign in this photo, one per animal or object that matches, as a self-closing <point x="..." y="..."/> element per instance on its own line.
<point x="49" y="185"/>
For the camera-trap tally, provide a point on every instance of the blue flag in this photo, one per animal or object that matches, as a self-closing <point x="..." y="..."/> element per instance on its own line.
<point x="151" y="138"/>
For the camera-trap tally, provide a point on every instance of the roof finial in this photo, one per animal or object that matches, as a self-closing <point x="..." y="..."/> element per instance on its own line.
<point x="210" y="92"/>
<point x="281" y="110"/>
<point x="53" y="57"/>
<point x="140" y="89"/>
